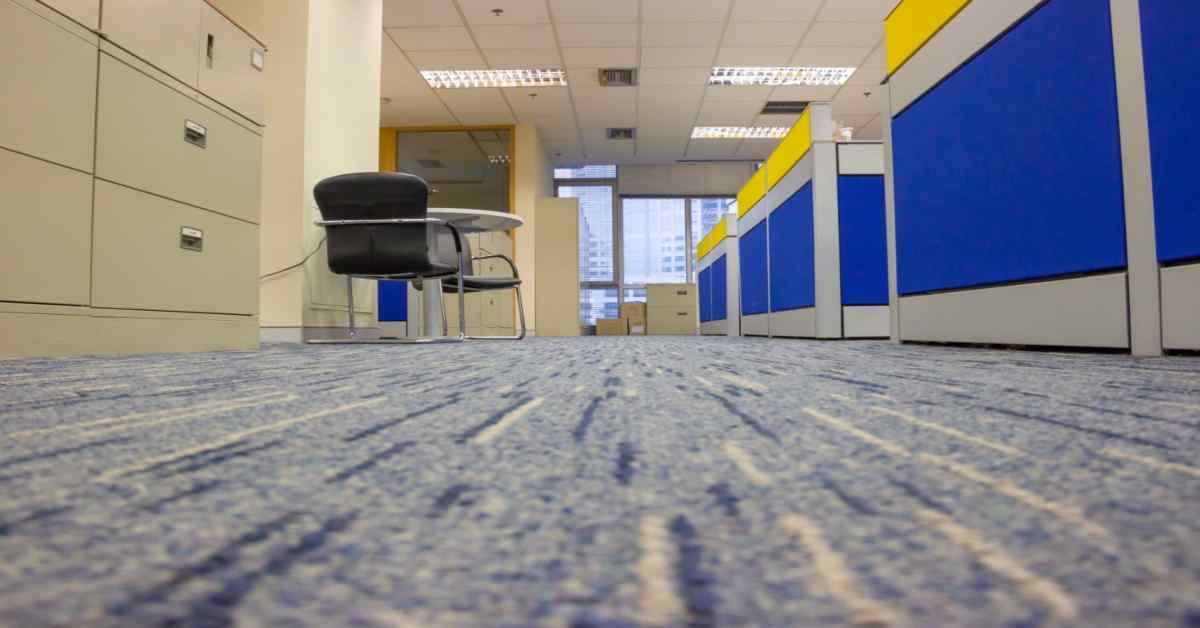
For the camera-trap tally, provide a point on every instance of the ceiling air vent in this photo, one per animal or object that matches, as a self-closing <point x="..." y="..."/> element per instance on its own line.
<point x="618" y="77"/>
<point x="785" y="106"/>
<point x="623" y="133"/>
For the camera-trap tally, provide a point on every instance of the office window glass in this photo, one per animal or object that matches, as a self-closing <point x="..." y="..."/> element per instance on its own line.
<point x="705" y="213"/>
<point x="597" y="303"/>
<point x="595" y="230"/>
<point x="635" y="294"/>
<point x="654" y="240"/>
<point x="594" y="171"/>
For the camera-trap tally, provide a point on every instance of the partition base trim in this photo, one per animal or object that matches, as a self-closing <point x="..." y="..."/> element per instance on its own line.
<point x="1181" y="306"/>
<point x="866" y="321"/>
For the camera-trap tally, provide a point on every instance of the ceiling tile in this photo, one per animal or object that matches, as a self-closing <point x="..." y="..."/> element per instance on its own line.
<point x="685" y="10"/>
<point x="677" y="93"/>
<point x="600" y="57"/>
<point x="856" y="10"/>
<point x="410" y="13"/>
<point x="447" y="60"/>
<point x="479" y="12"/>
<point x="675" y="57"/>
<point x="673" y="76"/>
<point x="511" y="36"/>
<point x="756" y="93"/>
<point x="598" y="35"/>
<point x="830" y="57"/>
<point x="592" y="116"/>
<point x="477" y="106"/>
<point x="877" y="58"/>
<point x="844" y="34"/>
<point x="406" y="113"/>
<point x="754" y="57"/>
<point x="855" y="120"/>
<point x="565" y="11"/>
<point x="771" y="10"/>
<point x="756" y="148"/>
<point x="514" y="59"/>
<point x="583" y="77"/>
<point x="412" y="101"/>
<point x="681" y="34"/>
<point x="440" y="38"/>
<point x="712" y="149"/>
<point x="604" y="96"/>
<point x="776" y="119"/>
<point x="873" y="131"/>
<point x="764" y="34"/>
<point x="550" y="102"/>
<point x="867" y="76"/>
<point x="804" y="92"/>
<point x="727" y="113"/>
<point x="852" y="100"/>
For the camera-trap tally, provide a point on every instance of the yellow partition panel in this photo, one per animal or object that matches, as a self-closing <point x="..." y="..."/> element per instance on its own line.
<point x="712" y="239"/>
<point x="913" y="23"/>
<point x="752" y="192"/>
<point x="792" y="149"/>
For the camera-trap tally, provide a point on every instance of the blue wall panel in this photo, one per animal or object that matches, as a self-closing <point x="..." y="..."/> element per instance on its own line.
<point x="1010" y="169"/>
<point x="752" y="248"/>
<point x="720" y="289"/>
<point x="393" y="300"/>
<point x="706" y="295"/>
<point x="1171" y="39"/>
<point x="862" y="228"/>
<point x="793" y="272"/>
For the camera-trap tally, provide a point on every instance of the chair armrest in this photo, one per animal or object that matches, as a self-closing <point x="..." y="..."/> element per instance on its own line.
<point x="503" y="257"/>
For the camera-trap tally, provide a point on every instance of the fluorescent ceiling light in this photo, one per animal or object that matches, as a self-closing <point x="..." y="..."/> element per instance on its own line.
<point x="811" y="76"/>
<point x="456" y="79"/>
<point x="738" y="132"/>
<point x="499" y="159"/>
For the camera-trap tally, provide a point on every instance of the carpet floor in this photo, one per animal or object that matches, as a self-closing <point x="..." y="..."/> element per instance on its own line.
<point x="611" y="482"/>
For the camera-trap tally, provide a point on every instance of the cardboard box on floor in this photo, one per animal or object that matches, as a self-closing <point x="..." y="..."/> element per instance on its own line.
<point x="635" y="312"/>
<point x="671" y="308"/>
<point x="612" y="327"/>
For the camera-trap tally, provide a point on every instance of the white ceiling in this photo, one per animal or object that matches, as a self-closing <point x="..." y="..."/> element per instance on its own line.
<point x="673" y="43"/>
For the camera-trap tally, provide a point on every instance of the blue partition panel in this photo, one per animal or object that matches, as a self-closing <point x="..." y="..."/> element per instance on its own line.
<point x="720" y="289"/>
<point x="1171" y="39"/>
<point x="393" y="300"/>
<point x="706" y="295"/>
<point x="862" y="229"/>
<point x="793" y="253"/>
<point x="1010" y="169"/>
<point x="752" y="248"/>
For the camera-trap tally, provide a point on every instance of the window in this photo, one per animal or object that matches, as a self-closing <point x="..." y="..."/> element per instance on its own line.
<point x="597" y="303"/>
<point x="635" y="294"/>
<point x="587" y="172"/>
<point x="653" y="237"/>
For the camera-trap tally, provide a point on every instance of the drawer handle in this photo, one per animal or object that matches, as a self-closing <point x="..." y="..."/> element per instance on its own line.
<point x="191" y="239"/>
<point x="195" y="133"/>
<point x="212" y="42"/>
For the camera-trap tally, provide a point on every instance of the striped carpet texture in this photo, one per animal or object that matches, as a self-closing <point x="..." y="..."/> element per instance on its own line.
<point x="601" y="482"/>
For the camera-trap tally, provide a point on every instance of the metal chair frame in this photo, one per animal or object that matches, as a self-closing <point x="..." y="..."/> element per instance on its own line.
<point x="520" y="302"/>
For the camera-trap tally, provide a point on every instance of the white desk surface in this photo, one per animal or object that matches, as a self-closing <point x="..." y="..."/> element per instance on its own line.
<point x="471" y="220"/>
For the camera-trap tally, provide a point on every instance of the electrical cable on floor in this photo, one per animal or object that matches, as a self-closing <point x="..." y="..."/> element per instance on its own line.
<point x="297" y="264"/>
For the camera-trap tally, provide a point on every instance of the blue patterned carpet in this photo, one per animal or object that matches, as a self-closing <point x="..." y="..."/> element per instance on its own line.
<point x="601" y="482"/>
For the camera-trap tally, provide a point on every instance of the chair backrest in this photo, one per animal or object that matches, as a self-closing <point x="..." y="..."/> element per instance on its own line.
<point x="445" y="250"/>
<point x="376" y="249"/>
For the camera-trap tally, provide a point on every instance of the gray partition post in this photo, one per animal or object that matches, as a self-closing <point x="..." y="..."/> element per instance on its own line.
<point x="889" y="191"/>
<point x="1145" y="304"/>
<point x="827" y="264"/>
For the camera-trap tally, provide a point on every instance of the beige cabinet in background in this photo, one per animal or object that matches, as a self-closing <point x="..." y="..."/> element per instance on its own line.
<point x="86" y="12"/>
<point x="556" y="253"/>
<point x="231" y="66"/>
<point x="163" y="33"/>
<point x="48" y="70"/>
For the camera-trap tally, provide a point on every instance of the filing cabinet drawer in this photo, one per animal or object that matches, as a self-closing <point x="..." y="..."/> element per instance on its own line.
<point x="164" y="33"/>
<point x="143" y="142"/>
<point x="140" y="260"/>
<point x="49" y="76"/>
<point x="86" y="12"/>
<point x="45" y="243"/>
<point x="671" y="295"/>
<point x="228" y="72"/>
<point x="670" y="320"/>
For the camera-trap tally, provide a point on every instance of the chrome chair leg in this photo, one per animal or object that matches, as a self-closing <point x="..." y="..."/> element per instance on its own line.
<point x="350" y="304"/>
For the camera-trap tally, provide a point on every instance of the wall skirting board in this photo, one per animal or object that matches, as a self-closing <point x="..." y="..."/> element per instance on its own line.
<point x="1078" y="312"/>
<point x="866" y="321"/>
<point x="794" y="323"/>
<point x="1181" y="306"/>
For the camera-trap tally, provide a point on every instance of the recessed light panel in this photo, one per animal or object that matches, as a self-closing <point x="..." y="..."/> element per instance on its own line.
<point x="810" y="76"/>
<point x="738" y="132"/>
<point x="461" y="79"/>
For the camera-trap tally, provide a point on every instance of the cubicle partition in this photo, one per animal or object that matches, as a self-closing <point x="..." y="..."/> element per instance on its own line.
<point x="719" y="273"/>
<point x="1021" y="203"/>
<point x="813" y="237"/>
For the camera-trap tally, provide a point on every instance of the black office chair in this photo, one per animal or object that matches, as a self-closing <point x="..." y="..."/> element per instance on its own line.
<point x="378" y="227"/>
<point x="472" y="284"/>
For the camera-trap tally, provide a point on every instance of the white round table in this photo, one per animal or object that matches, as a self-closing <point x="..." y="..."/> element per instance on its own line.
<point x="467" y="221"/>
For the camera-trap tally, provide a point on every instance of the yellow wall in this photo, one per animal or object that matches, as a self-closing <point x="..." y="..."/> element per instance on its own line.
<point x="534" y="179"/>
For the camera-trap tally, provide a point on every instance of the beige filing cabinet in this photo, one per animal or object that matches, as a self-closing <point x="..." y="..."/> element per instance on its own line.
<point x="671" y="308"/>
<point x="134" y="155"/>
